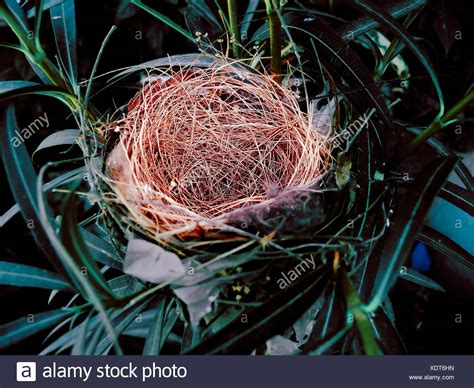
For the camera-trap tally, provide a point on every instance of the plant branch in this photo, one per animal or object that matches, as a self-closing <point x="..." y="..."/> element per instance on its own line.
<point x="362" y="320"/>
<point x="392" y="49"/>
<point x="438" y="124"/>
<point x="275" y="40"/>
<point x="34" y="52"/>
<point x="234" y="27"/>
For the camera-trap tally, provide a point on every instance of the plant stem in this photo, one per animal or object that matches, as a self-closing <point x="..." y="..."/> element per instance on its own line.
<point x="275" y="40"/>
<point x="362" y="320"/>
<point x="392" y="48"/>
<point x="438" y="124"/>
<point x="234" y="27"/>
<point x="34" y="52"/>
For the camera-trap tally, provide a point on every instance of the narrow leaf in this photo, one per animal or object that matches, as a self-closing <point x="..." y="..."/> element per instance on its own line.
<point x="439" y="242"/>
<point x="154" y="340"/>
<point x="9" y="86"/>
<point x="361" y="318"/>
<point x="125" y="285"/>
<point x="22" y="328"/>
<point x="121" y="320"/>
<point x="247" y="19"/>
<point x="73" y="241"/>
<point x="21" y="275"/>
<point x="62" y="179"/>
<point x="32" y="12"/>
<point x="22" y="179"/>
<point x="267" y="320"/>
<point x="384" y="18"/>
<point x="19" y="25"/>
<point x="63" y="19"/>
<point x="203" y="9"/>
<point x="102" y="250"/>
<point x="64" y="137"/>
<point x="79" y="345"/>
<point x="396" y="245"/>
<point x="18" y="90"/>
<point x="164" y="19"/>
<point x="415" y="277"/>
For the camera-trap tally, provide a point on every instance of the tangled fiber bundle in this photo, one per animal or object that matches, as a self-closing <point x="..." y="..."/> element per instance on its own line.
<point x="199" y="143"/>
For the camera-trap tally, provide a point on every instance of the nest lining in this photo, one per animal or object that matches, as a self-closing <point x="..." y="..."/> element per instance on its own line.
<point x="198" y="144"/>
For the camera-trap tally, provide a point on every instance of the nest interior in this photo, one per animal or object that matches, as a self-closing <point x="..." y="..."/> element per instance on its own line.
<point x="200" y="144"/>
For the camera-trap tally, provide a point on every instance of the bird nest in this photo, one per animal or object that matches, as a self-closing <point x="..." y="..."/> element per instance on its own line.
<point x="215" y="147"/>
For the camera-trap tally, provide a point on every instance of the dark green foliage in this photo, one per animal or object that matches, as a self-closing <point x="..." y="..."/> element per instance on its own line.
<point x="359" y="229"/>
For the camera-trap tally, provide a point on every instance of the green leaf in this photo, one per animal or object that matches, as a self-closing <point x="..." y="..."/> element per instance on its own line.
<point x="160" y="328"/>
<point x="63" y="19"/>
<point x="328" y="320"/>
<point x="203" y="9"/>
<point x="22" y="179"/>
<point x="81" y="340"/>
<point x="364" y="24"/>
<point x="330" y="341"/>
<point x="32" y="12"/>
<point x="121" y="319"/>
<point x="267" y="320"/>
<point x="164" y="19"/>
<point x="18" y="90"/>
<point x="96" y="64"/>
<point x="70" y="320"/>
<point x="62" y="179"/>
<point x="388" y="22"/>
<point x="154" y="339"/>
<point x="15" y="18"/>
<point x="9" y="86"/>
<point x="19" y="13"/>
<point x="72" y="239"/>
<point x="413" y="276"/>
<point x="22" y="328"/>
<point x="361" y="318"/>
<point x="13" y="274"/>
<point x="68" y="262"/>
<point x="462" y="171"/>
<point x="197" y="60"/>
<point x="448" y="248"/>
<point x="124" y="11"/>
<point x="28" y="193"/>
<point x="387" y="334"/>
<point x="68" y="339"/>
<point x="337" y="55"/>
<point x="223" y="318"/>
<point x="247" y="19"/>
<point x="38" y="16"/>
<point x="101" y="250"/>
<point x="64" y="137"/>
<point x="394" y="248"/>
<point x="125" y="285"/>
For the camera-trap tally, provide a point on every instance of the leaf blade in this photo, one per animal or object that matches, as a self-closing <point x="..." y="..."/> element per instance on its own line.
<point x="164" y="19"/>
<point x="413" y="276"/>
<point x="22" y="179"/>
<point x="240" y="338"/>
<point x="20" y="275"/>
<point x="64" y="137"/>
<point x="409" y="220"/>
<point x="63" y="21"/>
<point x="16" y="331"/>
